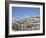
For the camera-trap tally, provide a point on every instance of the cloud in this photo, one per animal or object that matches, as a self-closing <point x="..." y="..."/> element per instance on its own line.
<point x="13" y="19"/>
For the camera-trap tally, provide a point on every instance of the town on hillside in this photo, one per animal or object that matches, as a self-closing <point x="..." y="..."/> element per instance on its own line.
<point x="27" y="24"/>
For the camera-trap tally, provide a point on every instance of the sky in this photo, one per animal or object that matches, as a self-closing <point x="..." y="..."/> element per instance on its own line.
<point x="23" y="12"/>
